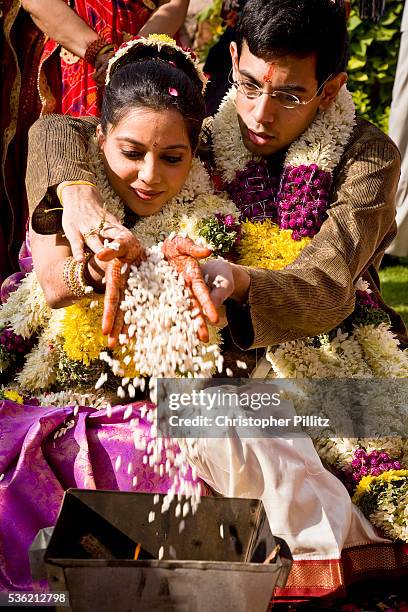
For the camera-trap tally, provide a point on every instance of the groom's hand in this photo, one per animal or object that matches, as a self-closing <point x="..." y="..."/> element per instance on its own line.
<point x="225" y="280"/>
<point x="183" y="254"/>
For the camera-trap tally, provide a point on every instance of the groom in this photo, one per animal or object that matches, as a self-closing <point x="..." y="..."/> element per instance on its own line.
<point x="288" y="63"/>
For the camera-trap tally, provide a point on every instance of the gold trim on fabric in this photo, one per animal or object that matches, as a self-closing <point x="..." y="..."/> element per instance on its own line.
<point x="376" y="557"/>
<point x="48" y="101"/>
<point x="10" y="130"/>
<point x="331" y="575"/>
<point x="316" y="575"/>
<point x="150" y="4"/>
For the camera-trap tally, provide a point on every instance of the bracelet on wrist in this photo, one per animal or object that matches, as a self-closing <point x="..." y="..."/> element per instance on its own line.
<point x="89" y="280"/>
<point x="93" y="50"/>
<point x="106" y="49"/>
<point x="62" y="186"/>
<point x="74" y="275"/>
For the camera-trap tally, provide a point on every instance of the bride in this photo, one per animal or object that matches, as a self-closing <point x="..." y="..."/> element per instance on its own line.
<point x="52" y="435"/>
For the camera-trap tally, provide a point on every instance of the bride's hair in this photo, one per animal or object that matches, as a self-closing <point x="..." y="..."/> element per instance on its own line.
<point x="155" y="78"/>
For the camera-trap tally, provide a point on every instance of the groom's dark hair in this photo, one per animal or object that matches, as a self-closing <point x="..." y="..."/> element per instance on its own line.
<point x="275" y="28"/>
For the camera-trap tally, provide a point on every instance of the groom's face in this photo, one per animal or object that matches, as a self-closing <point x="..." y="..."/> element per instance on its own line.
<point x="266" y="126"/>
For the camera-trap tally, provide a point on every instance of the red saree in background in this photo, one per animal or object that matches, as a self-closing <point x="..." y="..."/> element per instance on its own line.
<point x="75" y="92"/>
<point x="21" y="44"/>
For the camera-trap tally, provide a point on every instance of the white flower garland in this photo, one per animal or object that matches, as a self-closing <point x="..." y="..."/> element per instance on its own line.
<point x="367" y="352"/>
<point x="230" y="153"/>
<point x="322" y="143"/>
<point x="26" y="309"/>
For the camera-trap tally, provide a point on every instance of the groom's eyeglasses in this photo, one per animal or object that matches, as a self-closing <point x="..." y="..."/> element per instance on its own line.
<point x="287" y="100"/>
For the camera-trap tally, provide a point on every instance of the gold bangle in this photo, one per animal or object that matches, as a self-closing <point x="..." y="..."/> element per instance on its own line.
<point x="105" y="49"/>
<point x="62" y="186"/>
<point x="93" y="49"/>
<point x="74" y="276"/>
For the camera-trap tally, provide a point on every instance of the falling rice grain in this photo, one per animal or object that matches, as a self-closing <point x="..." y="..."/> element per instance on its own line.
<point x="101" y="381"/>
<point x="121" y="393"/>
<point x="242" y="365"/>
<point x="128" y="413"/>
<point x="172" y="552"/>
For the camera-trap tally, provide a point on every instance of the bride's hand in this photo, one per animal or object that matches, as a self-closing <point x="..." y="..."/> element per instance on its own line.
<point x="113" y="317"/>
<point x="182" y="253"/>
<point x="117" y="267"/>
<point x="84" y="217"/>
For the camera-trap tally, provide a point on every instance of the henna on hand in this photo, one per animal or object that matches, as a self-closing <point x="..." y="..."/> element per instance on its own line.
<point x="129" y="250"/>
<point x="113" y="316"/>
<point x="183" y="254"/>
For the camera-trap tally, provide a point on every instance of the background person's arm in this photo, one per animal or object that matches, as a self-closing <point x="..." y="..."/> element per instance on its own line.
<point x="59" y="22"/>
<point x="167" y="18"/>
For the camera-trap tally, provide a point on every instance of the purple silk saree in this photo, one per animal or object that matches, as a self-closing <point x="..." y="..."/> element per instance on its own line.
<point x="44" y="451"/>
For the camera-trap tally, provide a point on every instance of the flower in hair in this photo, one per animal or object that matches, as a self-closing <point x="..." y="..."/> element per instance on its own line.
<point x="159" y="41"/>
<point x="173" y="92"/>
<point x="190" y="52"/>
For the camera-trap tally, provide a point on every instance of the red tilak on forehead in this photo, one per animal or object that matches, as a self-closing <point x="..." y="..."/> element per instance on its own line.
<point x="267" y="78"/>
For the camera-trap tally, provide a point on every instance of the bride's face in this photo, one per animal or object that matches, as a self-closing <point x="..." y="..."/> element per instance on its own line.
<point x="147" y="157"/>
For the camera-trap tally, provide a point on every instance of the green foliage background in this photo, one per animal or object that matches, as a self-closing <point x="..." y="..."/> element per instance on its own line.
<point x="373" y="61"/>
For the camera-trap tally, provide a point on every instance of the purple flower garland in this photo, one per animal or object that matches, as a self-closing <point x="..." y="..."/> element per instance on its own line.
<point x="13" y="343"/>
<point x="367" y="464"/>
<point x="296" y="201"/>
<point x="302" y="200"/>
<point x="367" y="299"/>
<point x="254" y="191"/>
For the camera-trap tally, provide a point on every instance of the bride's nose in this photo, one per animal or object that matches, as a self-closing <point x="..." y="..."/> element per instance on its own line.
<point x="149" y="172"/>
